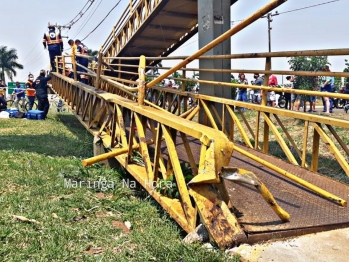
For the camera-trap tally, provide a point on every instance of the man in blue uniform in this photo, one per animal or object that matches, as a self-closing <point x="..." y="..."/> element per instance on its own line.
<point x="81" y="49"/>
<point x="53" y="41"/>
<point x="19" y="92"/>
<point x="41" y="92"/>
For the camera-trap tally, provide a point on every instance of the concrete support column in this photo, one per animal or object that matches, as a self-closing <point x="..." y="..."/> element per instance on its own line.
<point x="99" y="149"/>
<point x="214" y="20"/>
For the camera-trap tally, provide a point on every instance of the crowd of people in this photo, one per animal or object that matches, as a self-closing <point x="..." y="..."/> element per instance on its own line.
<point x="37" y="89"/>
<point x="34" y="89"/>
<point x="52" y="40"/>
<point x="292" y="101"/>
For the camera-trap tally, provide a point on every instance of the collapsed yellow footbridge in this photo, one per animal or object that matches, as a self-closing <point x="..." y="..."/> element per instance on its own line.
<point x="214" y="153"/>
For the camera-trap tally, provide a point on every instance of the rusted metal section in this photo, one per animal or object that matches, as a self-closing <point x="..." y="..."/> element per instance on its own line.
<point x="239" y="175"/>
<point x="221" y="224"/>
<point x="307" y="209"/>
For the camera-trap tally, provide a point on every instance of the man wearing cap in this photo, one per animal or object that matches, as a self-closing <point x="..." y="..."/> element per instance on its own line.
<point x="41" y="92"/>
<point x="53" y="41"/>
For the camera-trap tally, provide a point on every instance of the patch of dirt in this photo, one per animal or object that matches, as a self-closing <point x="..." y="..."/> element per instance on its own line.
<point x="120" y="225"/>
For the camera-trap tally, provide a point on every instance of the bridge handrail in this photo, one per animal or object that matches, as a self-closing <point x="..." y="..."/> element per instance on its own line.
<point x="296" y="53"/>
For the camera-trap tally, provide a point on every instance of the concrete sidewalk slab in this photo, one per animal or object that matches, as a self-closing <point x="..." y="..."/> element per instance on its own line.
<point x="320" y="247"/>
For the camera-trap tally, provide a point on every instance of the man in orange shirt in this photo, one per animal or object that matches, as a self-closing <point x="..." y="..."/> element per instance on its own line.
<point x="30" y="91"/>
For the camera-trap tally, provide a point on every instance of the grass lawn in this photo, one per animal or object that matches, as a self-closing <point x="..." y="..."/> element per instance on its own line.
<point x="46" y="216"/>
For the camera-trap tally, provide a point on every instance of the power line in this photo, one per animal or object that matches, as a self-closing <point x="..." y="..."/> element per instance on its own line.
<point x="102" y="20"/>
<point x="298" y="9"/>
<point x="88" y="19"/>
<point x="31" y="51"/>
<point x="69" y="25"/>
<point x="80" y="14"/>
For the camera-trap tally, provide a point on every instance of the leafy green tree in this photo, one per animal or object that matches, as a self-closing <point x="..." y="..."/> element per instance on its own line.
<point x="307" y="63"/>
<point x="8" y="63"/>
<point x="91" y="52"/>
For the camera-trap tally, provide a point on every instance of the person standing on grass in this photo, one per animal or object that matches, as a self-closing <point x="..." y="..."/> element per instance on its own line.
<point x="273" y="82"/>
<point x="3" y="103"/>
<point x="257" y="92"/>
<point x="312" y="99"/>
<point x="19" y="93"/>
<point x="30" y="90"/>
<point x="294" y="97"/>
<point x="346" y="91"/>
<point x="41" y="92"/>
<point x="242" y="94"/>
<point x="327" y="88"/>
<point x="287" y="97"/>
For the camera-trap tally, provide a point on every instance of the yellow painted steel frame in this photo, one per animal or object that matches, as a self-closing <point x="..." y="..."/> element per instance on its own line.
<point x="105" y="114"/>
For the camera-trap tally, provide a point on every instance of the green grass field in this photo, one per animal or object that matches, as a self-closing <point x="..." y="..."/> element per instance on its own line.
<point x="46" y="216"/>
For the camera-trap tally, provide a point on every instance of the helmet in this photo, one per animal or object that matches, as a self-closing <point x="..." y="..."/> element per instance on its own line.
<point x="51" y="25"/>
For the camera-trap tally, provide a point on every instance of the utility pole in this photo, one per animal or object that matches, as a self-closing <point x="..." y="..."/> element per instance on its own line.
<point x="269" y="18"/>
<point x="60" y="27"/>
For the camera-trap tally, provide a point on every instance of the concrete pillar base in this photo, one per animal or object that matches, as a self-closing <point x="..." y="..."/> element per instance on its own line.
<point x="99" y="149"/>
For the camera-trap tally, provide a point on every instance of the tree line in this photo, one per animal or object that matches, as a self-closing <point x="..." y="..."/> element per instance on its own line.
<point x="9" y="66"/>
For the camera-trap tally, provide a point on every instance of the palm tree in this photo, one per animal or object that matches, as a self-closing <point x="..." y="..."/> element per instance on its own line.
<point x="8" y="63"/>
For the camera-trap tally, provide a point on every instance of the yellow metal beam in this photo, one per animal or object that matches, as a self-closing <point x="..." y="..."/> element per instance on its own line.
<point x="141" y="78"/>
<point x="280" y="140"/>
<point x="305" y="143"/>
<point x="332" y="147"/>
<point x="329" y="196"/>
<point x="241" y="129"/>
<point x="239" y="175"/>
<point x="177" y="170"/>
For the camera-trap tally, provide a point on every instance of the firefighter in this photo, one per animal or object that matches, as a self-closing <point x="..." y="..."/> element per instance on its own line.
<point x="53" y="41"/>
<point x="41" y="92"/>
<point x="30" y="91"/>
<point x="82" y="50"/>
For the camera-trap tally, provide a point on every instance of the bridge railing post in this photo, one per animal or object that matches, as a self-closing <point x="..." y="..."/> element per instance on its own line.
<point x="73" y="60"/>
<point x="63" y="65"/>
<point x="99" y="68"/>
<point x="57" y="64"/>
<point x="265" y="103"/>
<point x="141" y="80"/>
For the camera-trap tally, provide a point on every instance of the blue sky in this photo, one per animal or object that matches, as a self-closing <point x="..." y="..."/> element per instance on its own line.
<point x="324" y="27"/>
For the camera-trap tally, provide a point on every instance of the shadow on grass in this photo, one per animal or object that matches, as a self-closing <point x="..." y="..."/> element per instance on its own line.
<point x="73" y="124"/>
<point x="46" y="144"/>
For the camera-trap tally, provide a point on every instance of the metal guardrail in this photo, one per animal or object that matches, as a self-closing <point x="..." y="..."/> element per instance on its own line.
<point x="105" y="108"/>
